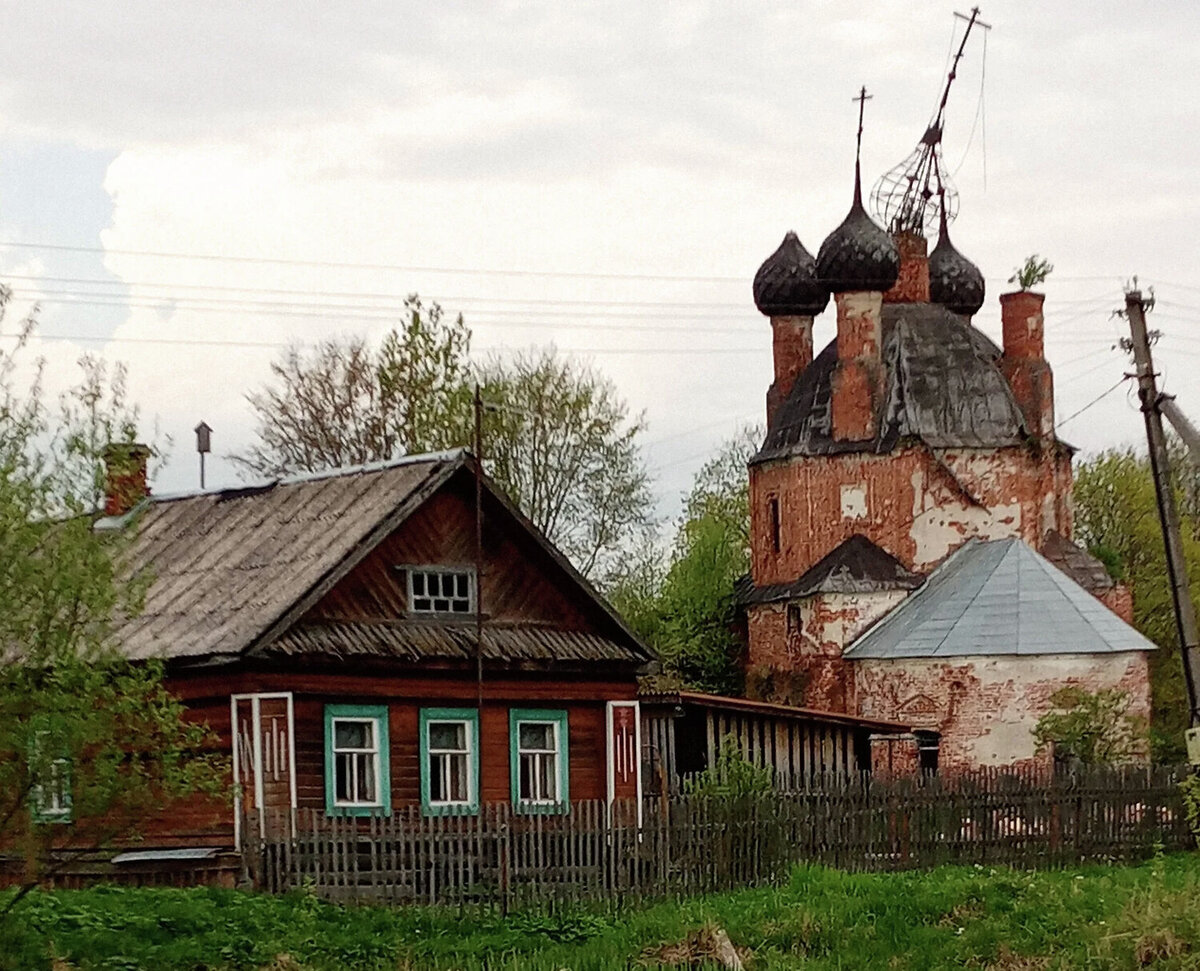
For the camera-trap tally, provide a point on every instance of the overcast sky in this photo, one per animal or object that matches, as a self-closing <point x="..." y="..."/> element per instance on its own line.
<point x="604" y="176"/>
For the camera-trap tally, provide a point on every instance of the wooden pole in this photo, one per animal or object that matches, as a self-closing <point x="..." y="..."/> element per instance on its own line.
<point x="1185" y="612"/>
<point x="479" y="548"/>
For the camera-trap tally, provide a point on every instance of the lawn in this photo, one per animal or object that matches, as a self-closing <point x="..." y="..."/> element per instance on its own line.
<point x="1099" y="916"/>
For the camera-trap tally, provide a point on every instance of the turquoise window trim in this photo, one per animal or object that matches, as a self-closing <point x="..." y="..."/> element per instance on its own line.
<point x="379" y="713"/>
<point x="557" y="717"/>
<point x="471" y="717"/>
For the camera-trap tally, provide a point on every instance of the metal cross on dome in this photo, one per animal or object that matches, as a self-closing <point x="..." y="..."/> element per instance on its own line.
<point x="910" y="198"/>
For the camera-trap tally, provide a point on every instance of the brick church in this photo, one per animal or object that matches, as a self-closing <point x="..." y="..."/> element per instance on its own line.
<point x="911" y="525"/>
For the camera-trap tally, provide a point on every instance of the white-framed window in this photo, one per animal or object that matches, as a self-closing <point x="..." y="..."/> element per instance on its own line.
<point x="449" y="761"/>
<point x="538" y="760"/>
<point x="437" y="590"/>
<point x="51" y="794"/>
<point x="356" y="760"/>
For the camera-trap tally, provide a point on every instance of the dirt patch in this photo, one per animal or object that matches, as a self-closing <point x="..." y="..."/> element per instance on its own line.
<point x="708" y="946"/>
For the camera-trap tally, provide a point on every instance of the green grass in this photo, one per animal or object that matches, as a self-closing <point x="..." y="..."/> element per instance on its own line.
<point x="953" y="917"/>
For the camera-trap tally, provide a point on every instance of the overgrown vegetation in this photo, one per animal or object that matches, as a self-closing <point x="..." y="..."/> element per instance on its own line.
<point x="1032" y="272"/>
<point x="686" y="611"/>
<point x="90" y="742"/>
<point x="1091" y="727"/>
<point x="1098" y="917"/>
<point x="1116" y="517"/>
<point x="731" y="776"/>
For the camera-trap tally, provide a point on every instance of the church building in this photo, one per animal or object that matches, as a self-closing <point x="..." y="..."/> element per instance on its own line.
<point x="911" y="522"/>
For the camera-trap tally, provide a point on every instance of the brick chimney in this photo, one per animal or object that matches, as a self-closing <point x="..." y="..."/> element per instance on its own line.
<point x="124" y="477"/>
<point x="858" y="377"/>
<point x="912" y="286"/>
<point x="1024" y="362"/>
<point x="792" y="349"/>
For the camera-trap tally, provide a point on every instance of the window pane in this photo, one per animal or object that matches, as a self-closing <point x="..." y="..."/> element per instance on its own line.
<point x="536" y="736"/>
<point x="348" y="734"/>
<point x="461" y="587"/>
<point x="341" y="778"/>
<point x="448" y="735"/>
<point x="366" y="778"/>
<point x="546" y="777"/>
<point x="525" y="784"/>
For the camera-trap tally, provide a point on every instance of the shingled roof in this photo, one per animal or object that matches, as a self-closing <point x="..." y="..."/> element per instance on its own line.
<point x="855" y="566"/>
<point x="234" y="570"/>
<point x="996" y="598"/>
<point x="943" y="387"/>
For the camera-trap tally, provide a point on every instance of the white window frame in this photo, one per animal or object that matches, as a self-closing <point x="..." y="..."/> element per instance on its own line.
<point x="375" y="761"/>
<point x="558" y="722"/>
<point x="51" y="798"/>
<point x="439" y="572"/>
<point x="468" y="718"/>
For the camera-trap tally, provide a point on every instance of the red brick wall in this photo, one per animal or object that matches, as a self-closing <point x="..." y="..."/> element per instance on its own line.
<point x="916" y="505"/>
<point x="986" y="708"/>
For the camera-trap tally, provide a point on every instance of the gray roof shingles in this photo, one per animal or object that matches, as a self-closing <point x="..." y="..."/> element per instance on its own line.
<point x="998" y="598"/>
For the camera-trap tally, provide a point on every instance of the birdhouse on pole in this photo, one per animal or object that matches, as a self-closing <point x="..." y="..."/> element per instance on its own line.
<point x="203" y="445"/>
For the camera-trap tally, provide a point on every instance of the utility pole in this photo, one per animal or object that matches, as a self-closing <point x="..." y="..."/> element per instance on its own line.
<point x="478" y="402"/>
<point x="1152" y="407"/>
<point x="1187" y="431"/>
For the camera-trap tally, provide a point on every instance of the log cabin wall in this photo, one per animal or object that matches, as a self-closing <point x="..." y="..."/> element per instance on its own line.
<point x="518" y="578"/>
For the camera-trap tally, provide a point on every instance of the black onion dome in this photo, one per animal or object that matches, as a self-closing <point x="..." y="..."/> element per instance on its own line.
<point x="954" y="281"/>
<point x="786" y="285"/>
<point x="858" y="255"/>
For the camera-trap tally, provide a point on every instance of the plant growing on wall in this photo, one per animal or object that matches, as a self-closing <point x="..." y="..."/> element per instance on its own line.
<point x="1032" y="272"/>
<point x="1094" y="728"/>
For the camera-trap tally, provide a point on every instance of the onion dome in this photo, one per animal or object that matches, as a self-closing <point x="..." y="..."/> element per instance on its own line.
<point x="786" y="285"/>
<point x="858" y="255"/>
<point x="954" y="281"/>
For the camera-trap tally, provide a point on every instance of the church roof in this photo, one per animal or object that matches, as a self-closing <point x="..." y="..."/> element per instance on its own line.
<point x="854" y="566"/>
<point x="997" y="598"/>
<point x="942" y="385"/>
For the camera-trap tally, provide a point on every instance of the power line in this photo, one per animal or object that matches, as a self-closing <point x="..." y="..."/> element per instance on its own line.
<point x="389" y="267"/>
<point x="1094" y="401"/>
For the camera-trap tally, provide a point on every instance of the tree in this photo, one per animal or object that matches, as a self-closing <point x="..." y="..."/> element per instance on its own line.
<point x="1032" y="272"/>
<point x="560" y="441"/>
<point x="347" y="403"/>
<point x="688" y="612"/>
<point x="1116" y="517"/>
<point x="557" y="436"/>
<point x="90" y="743"/>
<point x="1093" y="728"/>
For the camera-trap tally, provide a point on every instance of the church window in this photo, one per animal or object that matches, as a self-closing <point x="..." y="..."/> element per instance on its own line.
<point x="773" y="522"/>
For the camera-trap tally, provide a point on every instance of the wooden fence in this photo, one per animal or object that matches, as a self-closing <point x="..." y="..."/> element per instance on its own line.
<point x="695" y="844"/>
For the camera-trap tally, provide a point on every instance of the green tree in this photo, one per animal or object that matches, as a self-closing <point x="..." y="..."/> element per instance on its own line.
<point x="348" y="403"/>
<point x="687" y="611"/>
<point x="1091" y="727"/>
<point x="558" y="438"/>
<point x="560" y="441"/>
<point x="91" y="744"/>
<point x="1116" y="517"/>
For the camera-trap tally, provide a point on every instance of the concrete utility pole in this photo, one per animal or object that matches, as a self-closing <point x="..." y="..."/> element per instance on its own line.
<point x="1152" y="408"/>
<point x="1187" y="431"/>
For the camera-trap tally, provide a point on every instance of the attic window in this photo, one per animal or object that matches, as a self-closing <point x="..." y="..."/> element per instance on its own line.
<point x="440" y="591"/>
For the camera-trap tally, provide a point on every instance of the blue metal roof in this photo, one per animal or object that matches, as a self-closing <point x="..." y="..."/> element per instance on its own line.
<point x="998" y="598"/>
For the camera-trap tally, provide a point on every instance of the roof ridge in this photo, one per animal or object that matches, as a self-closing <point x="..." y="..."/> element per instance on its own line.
<point x="298" y="478"/>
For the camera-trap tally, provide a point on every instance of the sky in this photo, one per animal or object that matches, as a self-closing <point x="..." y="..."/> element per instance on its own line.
<point x="189" y="187"/>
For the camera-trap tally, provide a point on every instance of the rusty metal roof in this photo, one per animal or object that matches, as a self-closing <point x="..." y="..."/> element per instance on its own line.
<point x="769" y="709"/>
<point x="856" y="565"/>
<point x="997" y="598"/>
<point x="942" y="386"/>
<point x="448" y="642"/>
<point x="1077" y="563"/>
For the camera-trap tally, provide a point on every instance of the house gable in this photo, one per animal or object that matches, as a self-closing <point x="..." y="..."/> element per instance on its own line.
<point x="519" y="585"/>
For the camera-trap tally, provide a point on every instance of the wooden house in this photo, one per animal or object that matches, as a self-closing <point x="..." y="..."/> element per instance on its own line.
<point x="355" y="654"/>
